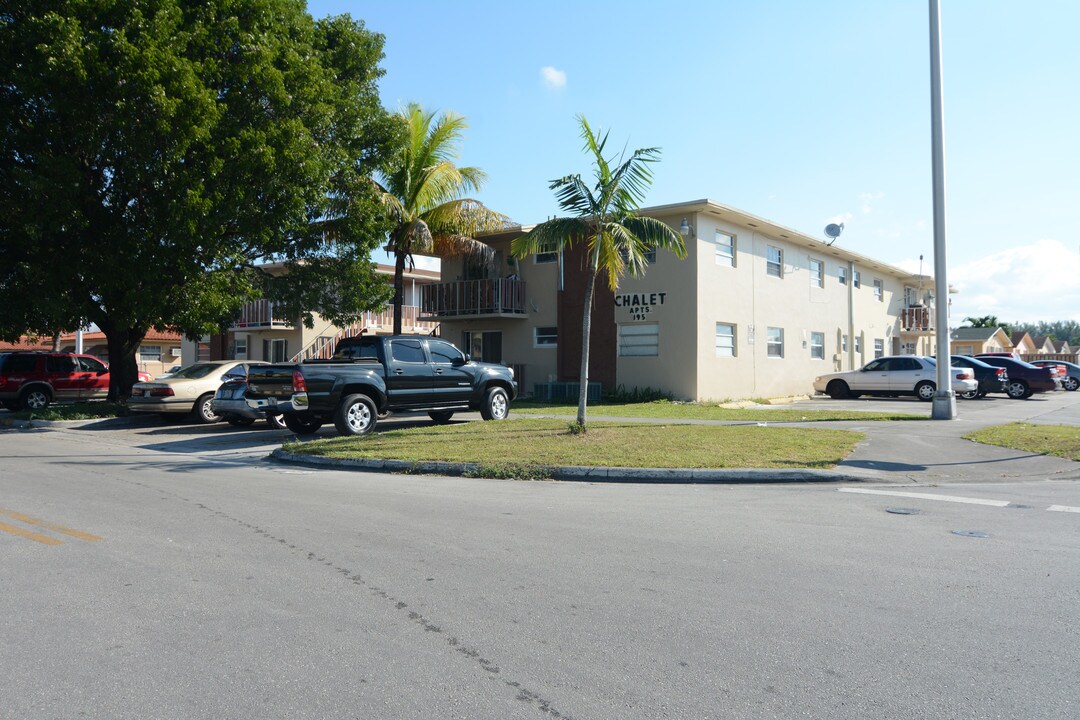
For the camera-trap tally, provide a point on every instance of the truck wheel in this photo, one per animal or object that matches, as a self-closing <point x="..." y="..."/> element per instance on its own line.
<point x="441" y="417"/>
<point x="34" y="399"/>
<point x="277" y="422"/>
<point x="496" y="404"/>
<point x="301" y="427"/>
<point x="204" y="409"/>
<point x="356" y="415"/>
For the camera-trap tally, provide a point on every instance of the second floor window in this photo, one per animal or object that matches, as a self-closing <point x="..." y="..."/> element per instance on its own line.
<point x="817" y="273"/>
<point x="774" y="263"/>
<point x="546" y="255"/>
<point x="725" y="249"/>
<point x="841" y="275"/>
<point x="855" y="278"/>
<point x="879" y="290"/>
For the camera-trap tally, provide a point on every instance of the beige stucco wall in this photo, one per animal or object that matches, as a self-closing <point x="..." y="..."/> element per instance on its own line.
<point x="541" y="301"/>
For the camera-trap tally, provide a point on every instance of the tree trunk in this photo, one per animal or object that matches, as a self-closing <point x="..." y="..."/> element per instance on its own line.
<point x="123" y="368"/>
<point x="399" y="289"/>
<point x="586" y="331"/>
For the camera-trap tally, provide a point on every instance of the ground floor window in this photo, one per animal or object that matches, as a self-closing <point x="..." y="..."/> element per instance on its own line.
<point x="725" y="340"/>
<point x="240" y="348"/>
<point x="276" y="351"/>
<point x="202" y="351"/>
<point x="545" y="336"/>
<point x="879" y="348"/>
<point x="775" y="342"/>
<point x="483" y="346"/>
<point x="817" y="345"/>
<point x="640" y="340"/>
<point x="149" y="353"/>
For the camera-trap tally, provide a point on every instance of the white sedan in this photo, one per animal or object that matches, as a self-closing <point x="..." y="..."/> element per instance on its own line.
<point x="892" y="376"/>
<point x="188" y="390"/>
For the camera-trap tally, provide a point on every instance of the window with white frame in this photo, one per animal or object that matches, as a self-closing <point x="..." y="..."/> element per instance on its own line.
<point x="775" y="343"/>
<point x="843" y="343"/>
<point x="149" y="353"/>
<point x="858" y="344"/>
<point x="841" y="275"/>
<point x="725" y="249"/>
<point x="545" y="337"/>
<point x="774" y="262"/>
<point x="855" y="278"/>
<point x="817" y="273"/>
<point x="240" y="348"/>
<point x="725" y="340"/>
<point x="879" y="347"/>
<point x="817" y="345"/>
<point x="879" y="290"/>
<point x="546" y="254"/>
<point x="639" y="340"/>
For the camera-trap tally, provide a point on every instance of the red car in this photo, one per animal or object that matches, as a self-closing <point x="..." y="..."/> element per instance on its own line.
<point x="35" y="379"/>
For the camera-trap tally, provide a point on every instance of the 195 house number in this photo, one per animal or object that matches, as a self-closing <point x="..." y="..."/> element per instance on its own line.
<point x="639" y="313"/>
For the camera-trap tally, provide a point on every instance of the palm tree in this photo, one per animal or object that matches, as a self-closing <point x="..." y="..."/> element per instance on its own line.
<point x="424" y="192"/>
<point x="605" y="220"/>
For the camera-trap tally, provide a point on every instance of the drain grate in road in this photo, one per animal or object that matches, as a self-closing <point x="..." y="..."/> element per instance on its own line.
<point x="902" y="511"/>
<point x="971" y="533"/>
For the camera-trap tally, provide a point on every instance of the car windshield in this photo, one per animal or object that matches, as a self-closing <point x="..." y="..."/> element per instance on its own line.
<point x="196" y="371"/>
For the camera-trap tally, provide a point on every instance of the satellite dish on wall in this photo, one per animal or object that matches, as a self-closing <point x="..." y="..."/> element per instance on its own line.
<point x="833" y="231"/>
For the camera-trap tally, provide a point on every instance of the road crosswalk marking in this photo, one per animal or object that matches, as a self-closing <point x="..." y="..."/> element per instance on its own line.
<point x="1063" y="508"/>
<point x="928" y="496"/>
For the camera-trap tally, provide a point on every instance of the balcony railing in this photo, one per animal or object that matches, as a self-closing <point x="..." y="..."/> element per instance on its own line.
<point x="917" y="319"/>
<point x="473" y="297"/>
<point x="263" y="314"/>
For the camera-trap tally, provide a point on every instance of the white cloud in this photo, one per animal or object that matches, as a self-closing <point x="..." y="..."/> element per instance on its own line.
<point x="1040" y="281"/>
<point x="553" y="78"/>
<point x="866" y="200"/>
<point x="840" y="218"/>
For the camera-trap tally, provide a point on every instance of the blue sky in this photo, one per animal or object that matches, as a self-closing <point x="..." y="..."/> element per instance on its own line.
<point x="802" y="113"/>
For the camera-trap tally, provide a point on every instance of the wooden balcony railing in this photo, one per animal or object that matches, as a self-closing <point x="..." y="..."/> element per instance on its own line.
<point x="263" y="314"/>
<point x="917" y="319"/>
<point x="473" y="297"/>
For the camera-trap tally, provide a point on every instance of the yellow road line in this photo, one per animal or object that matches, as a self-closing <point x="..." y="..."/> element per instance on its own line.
<point x="50" y="526"/>
<point x="36" y="537"/>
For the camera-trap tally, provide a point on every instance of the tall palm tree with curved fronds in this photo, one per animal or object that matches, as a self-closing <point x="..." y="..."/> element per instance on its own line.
<point x="605" y="220"/>
<point x="424" y="193"/>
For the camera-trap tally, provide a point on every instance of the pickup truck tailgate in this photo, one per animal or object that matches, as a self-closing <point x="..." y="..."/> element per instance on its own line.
<point x="270" y="381"/>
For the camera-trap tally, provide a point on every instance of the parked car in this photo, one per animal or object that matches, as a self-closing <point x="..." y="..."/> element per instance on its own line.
<point x="374" y="374"/>
<point x="33" y="379"/>
<point x="893" y="376"/>
<point x="991" y="379"/>
<point x="230" y="402"/>
<point x="1071" y="379"/>
<point x="168" y="373"/>
<point x="1025" y="379"/>
<point x="189" y="390"/>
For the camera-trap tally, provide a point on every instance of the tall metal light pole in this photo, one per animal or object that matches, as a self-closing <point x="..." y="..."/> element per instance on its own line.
<point x="944" y="404"/>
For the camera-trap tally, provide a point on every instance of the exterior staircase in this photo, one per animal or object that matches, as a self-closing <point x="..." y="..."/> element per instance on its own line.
<point x="380" y="323"/>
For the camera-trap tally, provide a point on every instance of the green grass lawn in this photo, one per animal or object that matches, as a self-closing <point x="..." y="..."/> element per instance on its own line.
<point x="1060" y="440"/>
<point x="74" y="411"/>
<point x="541" y="442"/>
<point x="708" y="411"/>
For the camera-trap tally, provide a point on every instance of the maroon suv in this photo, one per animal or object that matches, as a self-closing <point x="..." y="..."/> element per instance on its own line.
<point x="35" y="379"/>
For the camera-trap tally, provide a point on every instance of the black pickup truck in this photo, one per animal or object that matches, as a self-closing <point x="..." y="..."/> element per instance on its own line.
<point x="372" y="375"/>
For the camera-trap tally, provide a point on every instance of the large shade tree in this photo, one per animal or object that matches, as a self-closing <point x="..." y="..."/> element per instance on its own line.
<point x="425" y="196"/>
<point x="604" y="219"/>
<point x="154" y="154"/>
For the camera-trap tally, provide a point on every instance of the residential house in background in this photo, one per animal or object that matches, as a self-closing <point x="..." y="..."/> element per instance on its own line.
<point x="975" y="340"/>
<point x="1023" y="344"/>
<point x="263" y="332"/>
<point x="157" y="352"/>
<point x="1043" y="345"/>
<point x="755" y="310"/>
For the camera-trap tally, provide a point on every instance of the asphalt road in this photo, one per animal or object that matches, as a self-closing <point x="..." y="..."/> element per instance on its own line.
<point x="171" y="572"/>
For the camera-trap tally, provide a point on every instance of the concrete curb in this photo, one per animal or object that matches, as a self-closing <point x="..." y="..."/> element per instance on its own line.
<point x="583" y="474"/>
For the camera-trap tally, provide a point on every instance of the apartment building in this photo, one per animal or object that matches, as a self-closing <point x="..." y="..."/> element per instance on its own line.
<point x="754" y="310"/>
